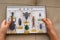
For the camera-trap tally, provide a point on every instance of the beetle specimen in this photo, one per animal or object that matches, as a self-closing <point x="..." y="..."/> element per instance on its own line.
<point x="39" y="14"/>
<point x="40" y="26"/>
<point x="19" y="21"/>
<point x="26" y="27"/>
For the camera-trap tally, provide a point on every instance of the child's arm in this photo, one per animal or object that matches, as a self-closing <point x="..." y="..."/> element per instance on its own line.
<point x="51" y="31"/>
<point x="3" y="29"/>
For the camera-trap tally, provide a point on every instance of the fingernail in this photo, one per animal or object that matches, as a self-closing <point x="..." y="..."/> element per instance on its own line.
<point x="43" y="18"/>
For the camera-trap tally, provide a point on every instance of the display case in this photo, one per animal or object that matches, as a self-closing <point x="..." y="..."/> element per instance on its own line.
<point x="26" y="19"/>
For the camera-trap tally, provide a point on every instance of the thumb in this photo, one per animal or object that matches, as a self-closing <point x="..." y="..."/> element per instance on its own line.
<point x="8" y="23"/>
<point x="45" y="20"/>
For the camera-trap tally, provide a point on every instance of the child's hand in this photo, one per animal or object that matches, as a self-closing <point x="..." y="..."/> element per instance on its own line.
<point x="49" y="24"/>
<point x="4" y="27"/>
<point x="50" y="29"/>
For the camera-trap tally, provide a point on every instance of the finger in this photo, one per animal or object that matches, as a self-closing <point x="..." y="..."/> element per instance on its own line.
<point x="4" y="22"/>
<point x="8" y="23"/>
<point x="45" y="20"/>
<point x="49" y="21"/>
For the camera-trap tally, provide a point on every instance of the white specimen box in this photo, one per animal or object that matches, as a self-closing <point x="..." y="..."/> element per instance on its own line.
<point x="34" y="20"/>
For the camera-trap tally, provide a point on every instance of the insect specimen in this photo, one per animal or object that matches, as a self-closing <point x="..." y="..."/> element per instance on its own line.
<point x="40" y="26"/>
<point x="19" y="21"/>
<point x="12" y="26"/>
<point x="26" y="14"/>
<point x="33" y="21"/>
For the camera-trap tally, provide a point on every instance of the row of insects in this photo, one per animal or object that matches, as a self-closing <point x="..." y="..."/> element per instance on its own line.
<point x="26" y="15"/>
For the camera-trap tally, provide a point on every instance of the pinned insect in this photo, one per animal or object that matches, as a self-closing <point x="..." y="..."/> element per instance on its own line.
<point x="40" y="26"/>
<point x="39" y="17"/>
<point x="19" y="21"/>
<point x="26" y="14"/>
<point x="26" y="27"/>
<point x="12" y="26"/>
<point x="20" y="24"/>
<point x="33" y="21"/>
<point x="39" y="14"/>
